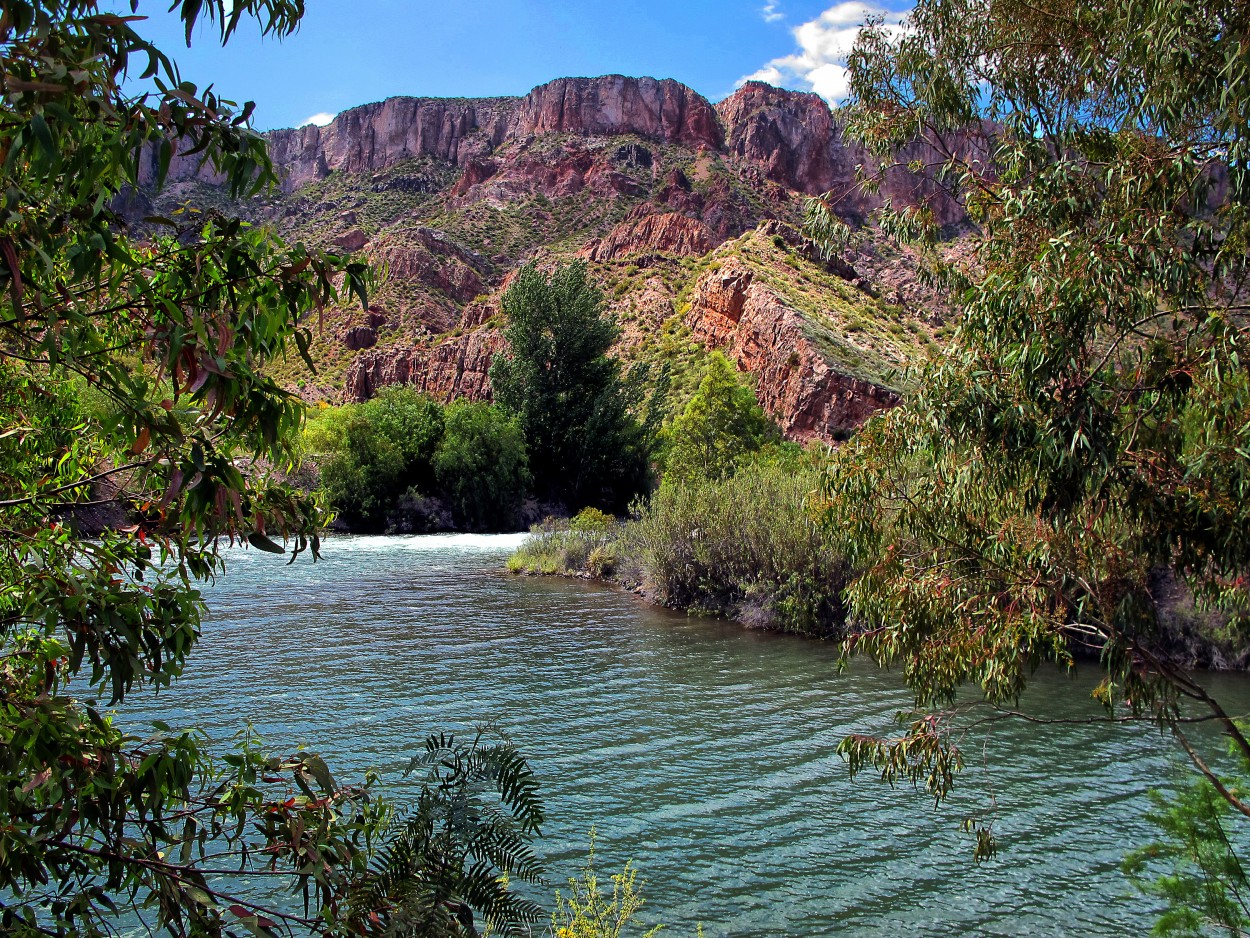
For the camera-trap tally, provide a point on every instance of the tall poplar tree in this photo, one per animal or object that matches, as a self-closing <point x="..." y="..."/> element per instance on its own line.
<point x="585" y="447"/>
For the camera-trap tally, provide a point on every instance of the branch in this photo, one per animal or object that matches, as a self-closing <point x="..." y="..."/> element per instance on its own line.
<point x="1205" y="769"/>
<point x="30" y="499"/>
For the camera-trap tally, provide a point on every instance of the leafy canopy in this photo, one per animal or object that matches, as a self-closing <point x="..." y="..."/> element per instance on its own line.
<point x="133" y="378"/>
<point x="373" y="458"/>
<point x="1084" y="441"/>
<point x="375" y="452"/>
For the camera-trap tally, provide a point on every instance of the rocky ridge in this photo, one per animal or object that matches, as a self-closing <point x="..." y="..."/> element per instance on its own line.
<point x="686" y="212"/>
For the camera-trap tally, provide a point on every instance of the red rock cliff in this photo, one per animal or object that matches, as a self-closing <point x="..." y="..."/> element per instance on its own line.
<point x="797" y="140"/>
<point x="795" y="384"/>
<point x="663" y="110"/>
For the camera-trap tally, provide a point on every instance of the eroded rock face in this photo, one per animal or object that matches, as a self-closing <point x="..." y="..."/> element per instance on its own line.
<point x="429" y="257"/>
<point x="458" y="366"/>
<point x="810" y="400"/>
<point x="663" y="110"/>
<point x="668" y="233"/>
<point x="352" y="240"/>
<point x="360" y="337"/>
<point x="375" y="136"/>
<point x="795" y="138"/>
<point x="461" y="131"/>
<point x="790" y="133"/>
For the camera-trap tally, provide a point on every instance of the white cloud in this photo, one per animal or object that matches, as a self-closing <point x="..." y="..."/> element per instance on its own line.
<point x="320" y="119"/>
<point x="770" y="12"/>
<point x="823" y="44"/>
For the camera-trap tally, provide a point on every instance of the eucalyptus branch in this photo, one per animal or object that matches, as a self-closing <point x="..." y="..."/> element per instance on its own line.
<point x="70" y="486"/>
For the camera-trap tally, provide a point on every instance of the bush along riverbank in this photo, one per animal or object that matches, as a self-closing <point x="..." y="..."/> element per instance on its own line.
<point x="566" y="428"/>
<point x="759" y="547"/>
<point x="748" y="547"/>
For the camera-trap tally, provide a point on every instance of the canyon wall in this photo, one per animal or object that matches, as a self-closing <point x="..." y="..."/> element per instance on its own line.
<point x="654" y="174"/>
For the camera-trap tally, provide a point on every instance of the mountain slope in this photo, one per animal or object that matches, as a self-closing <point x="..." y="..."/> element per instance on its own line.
<point x="686" y="213"/>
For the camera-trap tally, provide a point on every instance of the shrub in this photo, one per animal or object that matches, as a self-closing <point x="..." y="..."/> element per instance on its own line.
<point x="592" y="520"/>
<point x="558" y="546"/>
<point x="482" y="466"/>
<point x="747" y="546"/>
<point x="375" y="452"/>
<point x="720" y="425"/>
<point x="586" y="911"/>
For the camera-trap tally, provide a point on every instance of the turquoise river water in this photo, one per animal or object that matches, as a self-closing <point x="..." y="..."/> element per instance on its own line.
<point x="700" y="750"/>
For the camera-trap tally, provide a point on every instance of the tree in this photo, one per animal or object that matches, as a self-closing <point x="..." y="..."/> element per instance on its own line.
<point x="584" y="445"/>
<point x="378" y="451"/>
<point x="720" y="425"/>
<point x="482" y="466"/>
<point x="1085" y="436"/>
<point x="134" y="372"/>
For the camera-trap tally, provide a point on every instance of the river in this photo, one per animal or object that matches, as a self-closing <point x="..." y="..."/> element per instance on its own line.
<point x="700" y="750"/>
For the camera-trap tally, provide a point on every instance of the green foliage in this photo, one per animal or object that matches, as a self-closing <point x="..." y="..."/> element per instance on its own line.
<point x="1204" y="887"/>
<point x="378" y="451"/>
<point x="586" y="911"/>
<point x="1088" y="426"/>
<point x="592" y="521"/>
<point x="135" y="375"/>
<point x="585" y="447"/>
<point x="566" y="548"/>
<point x="482" y="465"/>
<point x="456" y="849"/>
<point x="720" y="425"/>
<point x="748" y="546"/>
<point x="401" y="444"/>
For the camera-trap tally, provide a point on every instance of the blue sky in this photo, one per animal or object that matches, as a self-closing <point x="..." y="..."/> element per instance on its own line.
<point x="351" y="52"/>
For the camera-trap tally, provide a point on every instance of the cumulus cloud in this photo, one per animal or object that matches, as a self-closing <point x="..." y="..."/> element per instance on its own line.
<point x="320" y="119"/>
<point x="823" y="44"/>
<point x="770" y="12"/>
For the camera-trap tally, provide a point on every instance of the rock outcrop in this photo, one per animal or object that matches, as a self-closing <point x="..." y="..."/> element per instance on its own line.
<point x="662" y="110"/>
<point x="795" y="384"/>
<point x="668" y="233"/>
<point x="459" y="366"/>
<point x="790" y="133"/>
<point x="799" y="144"/>
<point x="375" y="136"/>
<point x="429" y="257"/>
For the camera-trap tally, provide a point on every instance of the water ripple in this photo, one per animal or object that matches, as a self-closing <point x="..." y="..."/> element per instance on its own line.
<point x="704" y="752"/>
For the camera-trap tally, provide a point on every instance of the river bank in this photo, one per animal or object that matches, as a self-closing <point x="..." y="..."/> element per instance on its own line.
<point x="753" y="549"/>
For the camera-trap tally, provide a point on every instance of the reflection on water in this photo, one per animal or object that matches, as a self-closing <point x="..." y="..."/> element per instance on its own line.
<point x="703" y="751"/>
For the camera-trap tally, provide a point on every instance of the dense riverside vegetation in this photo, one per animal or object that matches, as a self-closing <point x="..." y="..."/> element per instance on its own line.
<point x="749" y="547"/>
<point x="566" y="429"/>
<point x="402" y="461"/>
<point x="733" y="528"/>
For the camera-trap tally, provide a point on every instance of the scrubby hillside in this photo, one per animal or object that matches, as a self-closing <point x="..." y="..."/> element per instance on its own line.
<point x="686" y="213"/>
